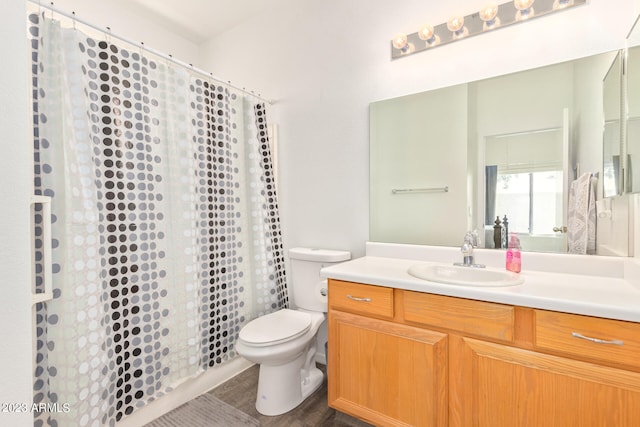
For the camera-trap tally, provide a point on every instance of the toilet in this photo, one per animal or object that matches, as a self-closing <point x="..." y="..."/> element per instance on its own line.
<point x="283" y="343"/>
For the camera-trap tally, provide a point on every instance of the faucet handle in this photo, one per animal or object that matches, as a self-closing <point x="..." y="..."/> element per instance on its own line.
<point x="472" y="238"/>
<point x="476" y="236"/>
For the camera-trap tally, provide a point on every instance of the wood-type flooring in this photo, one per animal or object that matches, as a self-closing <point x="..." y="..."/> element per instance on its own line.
<point x="240" y="392"/>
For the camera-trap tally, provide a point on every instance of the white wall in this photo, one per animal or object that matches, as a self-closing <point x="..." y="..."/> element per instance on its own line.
<point x="324" y="62"/>
<point x="126" y="20"/>
<point x="15" y="172"/>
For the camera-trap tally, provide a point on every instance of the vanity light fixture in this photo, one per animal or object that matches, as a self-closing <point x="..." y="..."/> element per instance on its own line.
<point x="490" y="17"/>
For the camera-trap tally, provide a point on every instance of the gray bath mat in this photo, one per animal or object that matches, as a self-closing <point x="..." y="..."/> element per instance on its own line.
<point x="204" y="411"/>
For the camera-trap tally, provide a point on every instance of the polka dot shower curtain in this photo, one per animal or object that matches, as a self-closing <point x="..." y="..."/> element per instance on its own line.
<point x="166" y="237"/>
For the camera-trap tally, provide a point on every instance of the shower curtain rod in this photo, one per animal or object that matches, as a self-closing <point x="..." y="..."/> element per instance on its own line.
<point x="107" y="31"/>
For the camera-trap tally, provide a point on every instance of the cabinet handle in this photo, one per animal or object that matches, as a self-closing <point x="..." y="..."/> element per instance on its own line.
<point x="359" y="299"/>
<point x="597" y="340"/>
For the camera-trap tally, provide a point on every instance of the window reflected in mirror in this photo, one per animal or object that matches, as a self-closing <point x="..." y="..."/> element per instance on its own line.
<point x="524" y="182"/>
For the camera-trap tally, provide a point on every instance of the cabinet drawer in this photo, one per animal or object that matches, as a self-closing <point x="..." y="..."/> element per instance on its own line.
<point x="358" y="298"/>
<point x="613" y="341"/>
<point x="483" y="319"/>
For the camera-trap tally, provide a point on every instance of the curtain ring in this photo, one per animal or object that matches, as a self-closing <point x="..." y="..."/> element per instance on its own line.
<point x="73" y="19"/>
<point x="107" y="35"/>
<point x="141" y="50"/>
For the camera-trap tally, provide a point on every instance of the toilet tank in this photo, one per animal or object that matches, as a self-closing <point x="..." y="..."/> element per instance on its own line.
<point x="307" y="285"/>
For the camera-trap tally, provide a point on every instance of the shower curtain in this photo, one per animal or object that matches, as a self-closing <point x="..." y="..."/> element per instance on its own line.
<point x="166" y="234"/>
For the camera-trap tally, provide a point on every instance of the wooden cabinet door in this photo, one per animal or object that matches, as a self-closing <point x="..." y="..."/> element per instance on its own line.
<point x="385" y="373"/>
<point x="506" y="386"/>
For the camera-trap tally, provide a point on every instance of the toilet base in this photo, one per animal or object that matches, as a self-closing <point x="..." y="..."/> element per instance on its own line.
<point x="281" y="388"/>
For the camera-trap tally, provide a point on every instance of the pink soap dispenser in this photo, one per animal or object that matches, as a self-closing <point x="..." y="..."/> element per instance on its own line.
<point x="514" y="259"/>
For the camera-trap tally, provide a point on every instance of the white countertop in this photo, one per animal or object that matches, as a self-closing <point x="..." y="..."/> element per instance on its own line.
<point x="605" y="296"/>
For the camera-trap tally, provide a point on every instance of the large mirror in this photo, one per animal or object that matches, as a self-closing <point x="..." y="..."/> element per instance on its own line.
<point x="459" y="158"/>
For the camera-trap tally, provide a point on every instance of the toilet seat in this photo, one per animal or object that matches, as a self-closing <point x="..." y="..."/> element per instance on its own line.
<point x="275" y="328"/>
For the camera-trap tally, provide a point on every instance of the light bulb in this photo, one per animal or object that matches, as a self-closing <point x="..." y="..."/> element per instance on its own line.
<point x="427" y="33"/>
<point x="523" y="4"/>
<point x="455" y="24"/>
<point x="489" y="11"/>
<point x="561" y="4"/>
<point x="399" y="41"/>
<point x="488" y="14"/>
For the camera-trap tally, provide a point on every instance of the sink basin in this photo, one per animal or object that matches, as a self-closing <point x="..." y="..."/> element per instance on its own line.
<point x="466" y="276"/>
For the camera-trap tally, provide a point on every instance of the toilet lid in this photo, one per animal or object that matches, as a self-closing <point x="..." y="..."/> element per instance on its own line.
<point x="276" y="327"/>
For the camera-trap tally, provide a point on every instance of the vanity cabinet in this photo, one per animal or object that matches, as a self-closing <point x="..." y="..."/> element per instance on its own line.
<point x="381" y="371"/>
<point x="399" y="358"/>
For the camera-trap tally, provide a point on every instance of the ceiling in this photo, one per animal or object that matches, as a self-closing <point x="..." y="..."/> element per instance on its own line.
<point x="200" y="20"/>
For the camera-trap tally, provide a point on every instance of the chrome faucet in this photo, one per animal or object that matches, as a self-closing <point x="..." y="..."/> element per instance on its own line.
<point x="471" y="241"/>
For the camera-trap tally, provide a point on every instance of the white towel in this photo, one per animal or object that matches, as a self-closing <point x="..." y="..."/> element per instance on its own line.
<point x="581" y="226"/>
